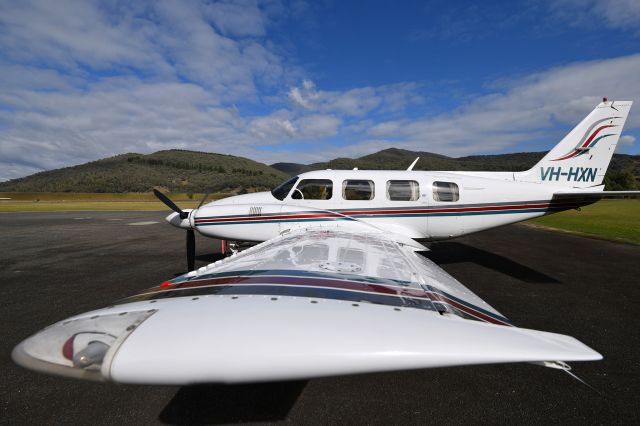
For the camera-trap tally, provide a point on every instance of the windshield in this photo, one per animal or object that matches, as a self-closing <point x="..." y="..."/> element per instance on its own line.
<point x="283" y="189"/>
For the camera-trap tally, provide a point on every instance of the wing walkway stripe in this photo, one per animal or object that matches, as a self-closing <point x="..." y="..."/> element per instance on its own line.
<point x="180" y="288"/>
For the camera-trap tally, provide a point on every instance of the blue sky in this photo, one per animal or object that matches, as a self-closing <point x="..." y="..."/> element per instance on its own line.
<point x="306" y="81"/>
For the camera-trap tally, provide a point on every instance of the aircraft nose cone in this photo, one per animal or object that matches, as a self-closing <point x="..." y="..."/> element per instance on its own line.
<point x="175" y="220"/>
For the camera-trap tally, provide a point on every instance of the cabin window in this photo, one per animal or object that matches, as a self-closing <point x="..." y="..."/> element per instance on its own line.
<point x="358" y="190"/>
<point x="445" y="191"/>
<point x="403" y="190"/>
<point x="282" y="190"/>
<point x="313" y="189"/>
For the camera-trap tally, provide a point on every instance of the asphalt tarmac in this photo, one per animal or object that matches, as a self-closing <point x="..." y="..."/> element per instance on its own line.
<point x="59" y="264"/>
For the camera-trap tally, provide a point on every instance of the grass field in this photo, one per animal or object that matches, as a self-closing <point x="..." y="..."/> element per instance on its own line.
<point x="617" y="220"/>
<point x="11" y="202"/>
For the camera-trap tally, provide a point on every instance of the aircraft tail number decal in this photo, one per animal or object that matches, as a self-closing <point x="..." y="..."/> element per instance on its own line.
<point x="571" y="174"/>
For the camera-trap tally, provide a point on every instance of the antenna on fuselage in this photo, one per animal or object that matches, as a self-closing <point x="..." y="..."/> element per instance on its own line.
<point x="413" y="164"/>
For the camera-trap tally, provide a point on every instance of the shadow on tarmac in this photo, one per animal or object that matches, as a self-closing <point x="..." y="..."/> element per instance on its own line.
<point x="218" y="404"/>
<point x="210" y="257"/>
<point x="454" y="252"/>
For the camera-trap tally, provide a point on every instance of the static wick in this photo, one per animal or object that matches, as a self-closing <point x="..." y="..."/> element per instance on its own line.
<point x="583" y="382"/>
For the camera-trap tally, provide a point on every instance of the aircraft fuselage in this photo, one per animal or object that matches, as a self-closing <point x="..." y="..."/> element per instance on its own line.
<point x="419" y="205"/>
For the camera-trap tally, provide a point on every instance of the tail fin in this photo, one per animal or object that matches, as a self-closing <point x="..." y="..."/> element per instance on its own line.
<point x="581" y="159"/>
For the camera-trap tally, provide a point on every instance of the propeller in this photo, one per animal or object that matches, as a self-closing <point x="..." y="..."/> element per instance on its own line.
<point x="191" y="236"/>
<point x="206" y="195"/>
<point x="170" y="204"/>
<point x="191" y="250"/>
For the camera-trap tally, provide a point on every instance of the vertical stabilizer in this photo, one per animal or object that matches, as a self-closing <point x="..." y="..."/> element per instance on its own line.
<point x="581" y="159"/>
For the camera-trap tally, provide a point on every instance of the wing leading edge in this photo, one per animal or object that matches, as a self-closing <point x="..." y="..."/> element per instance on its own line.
<point x="307" y="304"/>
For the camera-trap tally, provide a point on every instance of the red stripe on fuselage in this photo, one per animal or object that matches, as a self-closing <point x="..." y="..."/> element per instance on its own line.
<point x="380" y="212"/>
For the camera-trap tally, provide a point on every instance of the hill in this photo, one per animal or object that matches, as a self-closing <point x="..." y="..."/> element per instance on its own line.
<point x="196" y="172"/>
<point x="172" y="170"/>
<point x="624" y="172"/>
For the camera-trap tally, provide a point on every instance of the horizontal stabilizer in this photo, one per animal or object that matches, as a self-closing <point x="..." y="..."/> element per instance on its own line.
<point x="596" y="195"/>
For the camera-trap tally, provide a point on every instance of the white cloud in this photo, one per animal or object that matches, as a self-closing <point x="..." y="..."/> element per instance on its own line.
<point x="163" y="39"/>
<point x="522" y="110"/>
<point x="318" y="126"/>
<point x="623" y="14"/>
<point x="272" y="128"/>
<point x="86" y="80"/>
<point x="627" y="139"/>
<point x="355" y="102"/>
<point x="237" y="18"/>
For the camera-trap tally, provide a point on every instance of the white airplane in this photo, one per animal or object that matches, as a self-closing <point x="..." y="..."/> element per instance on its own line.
<point x="420" y="205"/>
<point x="336" y="285"/>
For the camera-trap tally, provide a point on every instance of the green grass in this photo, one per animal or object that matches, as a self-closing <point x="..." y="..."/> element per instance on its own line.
<point x="616" y="220"/>
<point x="70" y="201"/>
<point x="88" y="196"/>
<point x="52" y="206"/>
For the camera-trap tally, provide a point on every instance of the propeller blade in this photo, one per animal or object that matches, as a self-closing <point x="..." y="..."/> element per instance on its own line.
<point x="170" y="204"/>
<point x="191" y="250"/>
<point x="206" y="195"/>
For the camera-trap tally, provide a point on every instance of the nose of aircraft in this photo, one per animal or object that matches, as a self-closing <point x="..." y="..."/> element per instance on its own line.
<point x="175" y="219"/>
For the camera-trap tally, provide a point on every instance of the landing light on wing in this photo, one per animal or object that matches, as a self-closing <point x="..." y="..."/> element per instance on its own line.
<point x="80" y="348"/>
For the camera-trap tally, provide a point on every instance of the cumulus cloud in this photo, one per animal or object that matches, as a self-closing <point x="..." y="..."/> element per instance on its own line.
<point x="318" y="126"/>
<point x="623" y="14"/>
<point x="237" y="18"/>
<point x="272" y="128"/>
<point x="627" y="140"/>
<point x="86" y="80"/>
<point x="355" y="102"/>
<point x="524" y="109"/>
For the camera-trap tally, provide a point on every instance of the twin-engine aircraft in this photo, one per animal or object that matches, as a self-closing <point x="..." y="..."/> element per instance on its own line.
<point x="335" y="284"/>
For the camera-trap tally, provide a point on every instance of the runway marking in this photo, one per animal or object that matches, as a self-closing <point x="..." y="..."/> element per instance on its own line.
<point x="150" y="222"/>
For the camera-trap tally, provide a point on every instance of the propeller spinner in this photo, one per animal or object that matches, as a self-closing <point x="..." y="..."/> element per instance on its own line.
<point x="177" y="219"/>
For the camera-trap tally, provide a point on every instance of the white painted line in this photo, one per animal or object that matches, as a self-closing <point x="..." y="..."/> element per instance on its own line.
<point x="151" y="222"/>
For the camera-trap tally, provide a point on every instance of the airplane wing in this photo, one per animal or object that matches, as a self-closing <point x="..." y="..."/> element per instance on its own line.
<point x="310" y="303"/>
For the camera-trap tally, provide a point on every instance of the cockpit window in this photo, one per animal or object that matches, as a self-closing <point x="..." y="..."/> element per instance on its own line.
<point x="313" y="189"/>
<point x="282" y="190"/>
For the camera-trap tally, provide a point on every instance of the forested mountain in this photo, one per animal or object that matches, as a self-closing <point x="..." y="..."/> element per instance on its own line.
<point x="172" y="170"/>
<point x="190" y="171"/>
<point x="624" y="172"/>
